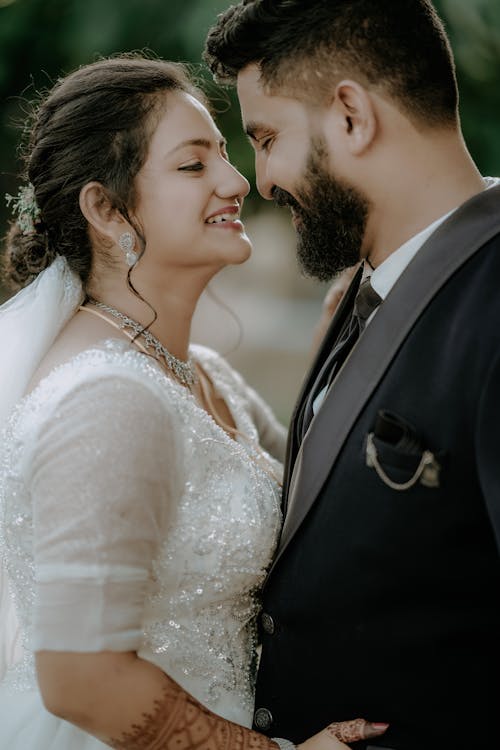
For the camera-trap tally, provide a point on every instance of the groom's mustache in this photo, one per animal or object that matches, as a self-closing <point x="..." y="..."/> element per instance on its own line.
<point x="282" y="198"/>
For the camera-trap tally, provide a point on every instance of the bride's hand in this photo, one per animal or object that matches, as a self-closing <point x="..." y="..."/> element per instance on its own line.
<point x="335" y="735"/>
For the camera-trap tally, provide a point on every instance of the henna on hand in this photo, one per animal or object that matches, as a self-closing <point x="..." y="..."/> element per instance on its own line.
<point x="355" y="730"/>
<point x="347" y="731"/>
<point x="179" y="722"/>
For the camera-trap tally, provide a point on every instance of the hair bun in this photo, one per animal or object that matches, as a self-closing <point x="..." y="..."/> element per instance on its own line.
<point x="26" y="255"/>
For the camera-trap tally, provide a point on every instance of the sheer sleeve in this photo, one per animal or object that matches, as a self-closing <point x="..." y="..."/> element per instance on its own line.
<point x="102" y="486"/>
<point x="272" y="433"/>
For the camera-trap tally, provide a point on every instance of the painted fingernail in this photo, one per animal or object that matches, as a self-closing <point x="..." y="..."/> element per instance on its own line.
<point x="379" y="726"/>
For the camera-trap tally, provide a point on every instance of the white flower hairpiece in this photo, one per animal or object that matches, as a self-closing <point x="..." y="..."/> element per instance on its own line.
<point x="25" y="206"/>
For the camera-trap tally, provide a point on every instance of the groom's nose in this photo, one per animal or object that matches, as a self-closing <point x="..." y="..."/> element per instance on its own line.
<point x="265" y="184"/>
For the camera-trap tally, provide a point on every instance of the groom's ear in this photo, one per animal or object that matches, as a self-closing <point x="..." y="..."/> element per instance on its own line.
<point x="353" y="114"/>
<point x="105" y="220"/>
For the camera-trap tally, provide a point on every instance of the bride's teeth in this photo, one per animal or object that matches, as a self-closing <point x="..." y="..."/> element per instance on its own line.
<point x="218" y="219"/>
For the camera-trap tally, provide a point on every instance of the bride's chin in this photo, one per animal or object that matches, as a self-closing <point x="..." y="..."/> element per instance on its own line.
<point x="239" y="253"/>
<point x="244" y="257"/>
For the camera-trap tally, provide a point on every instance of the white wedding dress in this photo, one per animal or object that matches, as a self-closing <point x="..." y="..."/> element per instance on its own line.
<point x="129" y="520"/>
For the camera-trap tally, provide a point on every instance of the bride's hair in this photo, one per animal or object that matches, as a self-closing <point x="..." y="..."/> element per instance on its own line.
<point x="95" y="124"/>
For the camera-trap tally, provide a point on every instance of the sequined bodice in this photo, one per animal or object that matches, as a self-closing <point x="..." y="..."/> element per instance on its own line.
<point x="215" y="541"/>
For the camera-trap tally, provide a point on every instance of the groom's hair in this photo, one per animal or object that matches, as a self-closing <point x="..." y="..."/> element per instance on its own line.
<point x="304" y="47"/>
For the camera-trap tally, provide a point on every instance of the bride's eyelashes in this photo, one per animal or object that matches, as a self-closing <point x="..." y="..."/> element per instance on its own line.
<point x="195" y="167"/>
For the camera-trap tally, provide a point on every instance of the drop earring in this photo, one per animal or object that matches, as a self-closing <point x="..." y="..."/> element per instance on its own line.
<point x="127" y="244"/>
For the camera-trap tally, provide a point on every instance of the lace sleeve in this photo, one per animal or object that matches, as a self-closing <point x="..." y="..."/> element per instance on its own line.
<point x="102" y="482"/>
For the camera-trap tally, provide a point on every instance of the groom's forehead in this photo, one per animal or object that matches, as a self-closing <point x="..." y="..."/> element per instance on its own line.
<point x="263" y="108"/>
<point x="251" y="89"/>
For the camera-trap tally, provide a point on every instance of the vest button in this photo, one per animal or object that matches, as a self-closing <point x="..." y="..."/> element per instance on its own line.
<point x="267" y="623"/>
<point x="263" y="718"/>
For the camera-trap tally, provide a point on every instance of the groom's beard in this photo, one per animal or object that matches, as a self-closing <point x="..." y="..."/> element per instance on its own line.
<point x="330" y="218"/>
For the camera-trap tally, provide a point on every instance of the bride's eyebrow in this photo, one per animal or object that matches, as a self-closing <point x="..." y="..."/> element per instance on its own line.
<point x="203" y="142"/>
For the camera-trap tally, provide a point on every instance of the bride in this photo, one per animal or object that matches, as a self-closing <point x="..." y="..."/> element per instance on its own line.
<point x="139" y="474"/>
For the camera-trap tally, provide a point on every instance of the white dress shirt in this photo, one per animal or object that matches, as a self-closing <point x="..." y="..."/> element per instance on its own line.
<point x="385" y="276"/>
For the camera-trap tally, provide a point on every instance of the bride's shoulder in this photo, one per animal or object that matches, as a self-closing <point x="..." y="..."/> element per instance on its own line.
<point x="110" y="371"/>
<point x="98" y="400"/>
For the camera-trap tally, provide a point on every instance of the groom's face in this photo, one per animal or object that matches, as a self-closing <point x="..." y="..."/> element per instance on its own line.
<point x="294" y="167"/>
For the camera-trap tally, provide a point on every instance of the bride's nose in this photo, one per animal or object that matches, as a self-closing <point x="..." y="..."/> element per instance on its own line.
<point x="231" y="183"/>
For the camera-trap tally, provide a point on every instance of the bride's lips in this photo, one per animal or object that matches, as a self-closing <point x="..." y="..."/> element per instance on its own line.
<point x="228" y="222"/>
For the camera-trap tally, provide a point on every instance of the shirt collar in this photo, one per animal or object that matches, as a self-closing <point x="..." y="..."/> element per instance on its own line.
<point x="385" y="276"/>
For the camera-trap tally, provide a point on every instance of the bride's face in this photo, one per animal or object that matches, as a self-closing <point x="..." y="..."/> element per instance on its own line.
<point x="189" y="194"/>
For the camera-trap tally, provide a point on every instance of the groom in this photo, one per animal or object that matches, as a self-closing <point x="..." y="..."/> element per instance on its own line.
<point x="384" y="597"/>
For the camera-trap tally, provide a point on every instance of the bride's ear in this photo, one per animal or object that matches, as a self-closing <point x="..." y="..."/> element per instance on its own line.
<point x="103" y="218"/>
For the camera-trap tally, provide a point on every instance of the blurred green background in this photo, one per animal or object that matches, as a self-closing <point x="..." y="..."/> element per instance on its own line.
<point x="42" y="39"/>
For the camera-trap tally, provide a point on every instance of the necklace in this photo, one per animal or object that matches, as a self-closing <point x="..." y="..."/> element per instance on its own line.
<point x="188" y="376"/>
<point x="184" y="372"/>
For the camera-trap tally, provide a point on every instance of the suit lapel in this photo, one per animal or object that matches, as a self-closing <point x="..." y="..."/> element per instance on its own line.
<point x="454" y="242"/>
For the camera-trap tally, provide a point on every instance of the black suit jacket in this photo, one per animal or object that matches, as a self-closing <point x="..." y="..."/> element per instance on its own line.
<point x="386" y="603"/>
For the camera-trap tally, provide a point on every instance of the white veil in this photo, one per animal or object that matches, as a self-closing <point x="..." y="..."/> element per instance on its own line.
<point x="29" y="325"/>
